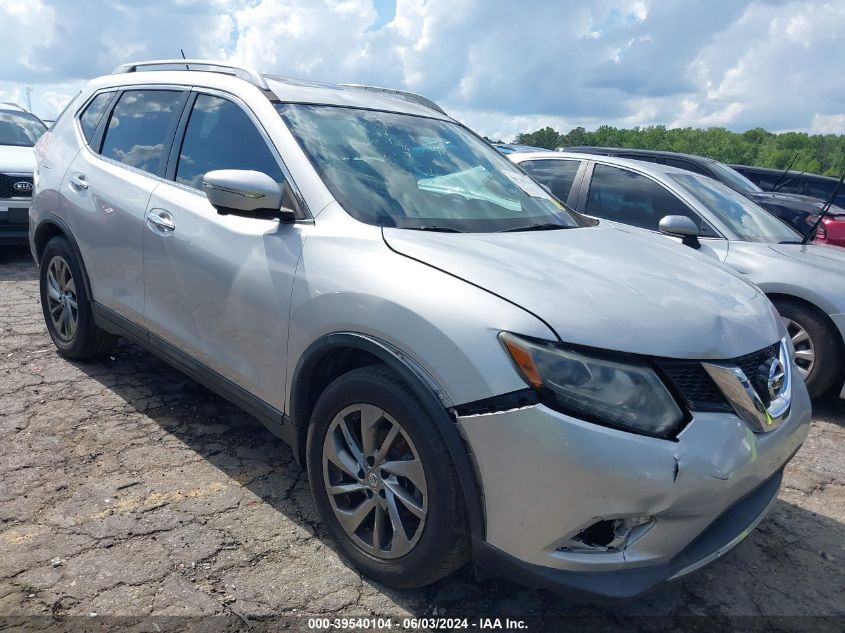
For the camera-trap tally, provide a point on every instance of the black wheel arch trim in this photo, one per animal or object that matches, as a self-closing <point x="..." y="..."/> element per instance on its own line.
<point x="53" y="220"/>
<point x="433" y="398"/>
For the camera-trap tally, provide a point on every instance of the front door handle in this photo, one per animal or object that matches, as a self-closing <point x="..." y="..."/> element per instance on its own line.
<point x="78" y="181"/>
<point x="161" y="219"/>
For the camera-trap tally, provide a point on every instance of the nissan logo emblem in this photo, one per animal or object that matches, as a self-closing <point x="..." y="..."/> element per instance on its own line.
<point x="23" y="185"/>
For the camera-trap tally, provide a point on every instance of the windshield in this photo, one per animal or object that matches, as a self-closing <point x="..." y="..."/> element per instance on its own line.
<point x="406" y="171"/>
<point x="748" y="221"/>
<point x="20" y="128"/>
<point x="733" y="179"/>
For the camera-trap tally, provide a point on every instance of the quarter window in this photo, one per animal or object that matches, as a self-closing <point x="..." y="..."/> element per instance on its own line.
<point x="220" y="135"/>
<point x="140" y="127"/>
<point x="557" y="175"/>
<point x="92" y="114"/>
<point x="630" y="198"/>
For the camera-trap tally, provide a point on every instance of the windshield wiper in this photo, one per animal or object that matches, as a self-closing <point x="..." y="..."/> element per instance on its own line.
<point x="434" y="227"/>
<point x="545" y="226"/>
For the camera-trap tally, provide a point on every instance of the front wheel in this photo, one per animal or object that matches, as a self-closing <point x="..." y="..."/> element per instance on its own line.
<point x="384" y="482"/>
<point x="818" y="350"/>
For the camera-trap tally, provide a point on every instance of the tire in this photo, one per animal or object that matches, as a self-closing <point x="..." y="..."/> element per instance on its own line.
<point x="823" y="342"/>
<point x="83" y="339"/>
<point x="439" y="543"/>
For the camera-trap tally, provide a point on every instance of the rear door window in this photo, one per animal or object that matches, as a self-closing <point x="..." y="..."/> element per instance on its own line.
<point x="93" y="113"/>
<point x="631" y="198"/>
<point x="557" y="175"/>
<point x="141" y="127"/>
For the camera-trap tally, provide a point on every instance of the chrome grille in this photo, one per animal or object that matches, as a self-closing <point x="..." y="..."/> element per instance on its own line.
<point x="697" y="387"/>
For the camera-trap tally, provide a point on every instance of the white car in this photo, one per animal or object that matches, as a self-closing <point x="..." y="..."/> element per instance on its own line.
<point x="19" y="130"/>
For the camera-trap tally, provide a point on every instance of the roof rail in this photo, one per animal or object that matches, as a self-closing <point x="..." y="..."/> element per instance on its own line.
<point x="408" y="96"/>
<point x="243" y="72"/>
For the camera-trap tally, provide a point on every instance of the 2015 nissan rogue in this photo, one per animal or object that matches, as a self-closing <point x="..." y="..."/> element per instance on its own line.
<point x="468" y="370"/>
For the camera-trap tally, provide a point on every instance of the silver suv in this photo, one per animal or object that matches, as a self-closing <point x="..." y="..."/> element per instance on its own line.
<point x="467" y="369"/>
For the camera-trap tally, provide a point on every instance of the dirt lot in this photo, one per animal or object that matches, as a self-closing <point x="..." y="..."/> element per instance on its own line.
<point x="127" y="489"/>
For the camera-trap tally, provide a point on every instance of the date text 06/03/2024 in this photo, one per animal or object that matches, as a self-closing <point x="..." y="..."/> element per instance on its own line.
<point x="417" y="623"/>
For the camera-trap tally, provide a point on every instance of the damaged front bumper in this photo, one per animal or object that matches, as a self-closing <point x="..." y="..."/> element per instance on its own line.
<point x="572" y="505"/>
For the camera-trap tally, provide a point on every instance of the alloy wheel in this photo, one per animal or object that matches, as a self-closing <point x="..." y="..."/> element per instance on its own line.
<point x="375" y="481"/>
<point x="805" y="351"/>
<point x="62" y="299"/>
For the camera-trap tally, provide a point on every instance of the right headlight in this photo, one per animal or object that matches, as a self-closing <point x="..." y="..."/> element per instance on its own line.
<point x="626" y="394"/>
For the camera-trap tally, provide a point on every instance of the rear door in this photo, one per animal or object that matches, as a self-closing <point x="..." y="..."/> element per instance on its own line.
<point x="109" y="183"/>
<point x="218" y="286"/>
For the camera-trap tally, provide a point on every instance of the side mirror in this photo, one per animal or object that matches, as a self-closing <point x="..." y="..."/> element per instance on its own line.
<point x="681" y="226"/>
<point x="249" y="194"/>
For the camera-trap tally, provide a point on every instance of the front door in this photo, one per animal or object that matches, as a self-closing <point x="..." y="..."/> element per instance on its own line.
<point x="628" y="197"/>
<point x="218" y="286"/>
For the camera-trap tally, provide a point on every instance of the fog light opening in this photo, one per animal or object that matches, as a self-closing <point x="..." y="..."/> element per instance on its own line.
<point x="608" y="535"/>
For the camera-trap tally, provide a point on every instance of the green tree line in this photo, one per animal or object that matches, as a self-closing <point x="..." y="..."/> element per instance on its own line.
<point x="813" y="153"/>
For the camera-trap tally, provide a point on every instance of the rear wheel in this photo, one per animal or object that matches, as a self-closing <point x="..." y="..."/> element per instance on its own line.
<point x="384" y="482"/>
<point x="818" y="350"/>
<point x="66" y="305"/>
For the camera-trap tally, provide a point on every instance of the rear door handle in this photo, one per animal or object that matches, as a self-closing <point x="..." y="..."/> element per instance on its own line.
<point x="78" y="181"/>
<point x="161" y="219"/>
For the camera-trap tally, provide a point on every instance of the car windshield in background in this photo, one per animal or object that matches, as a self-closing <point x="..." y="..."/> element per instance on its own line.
<point x="737" y="181"/>
<point x="748" y="221"/>
<point x="20" y="128"/>
<point x="398" y="170"/>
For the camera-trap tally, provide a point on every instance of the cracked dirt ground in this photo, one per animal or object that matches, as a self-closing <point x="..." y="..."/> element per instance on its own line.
<point x="126" y="488"/>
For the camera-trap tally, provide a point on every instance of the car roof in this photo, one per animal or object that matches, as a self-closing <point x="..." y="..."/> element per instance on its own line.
<point x="10" y="106"/>
<point x="793" y="173"/>
<point x="641" y="152"/>
<point x="654" y="169"/>
<point x="516" y="147"/>
<point x="238" y="79"/>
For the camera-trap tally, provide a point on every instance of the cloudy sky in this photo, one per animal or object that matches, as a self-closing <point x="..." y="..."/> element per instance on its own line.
<point x="501" y="66"/>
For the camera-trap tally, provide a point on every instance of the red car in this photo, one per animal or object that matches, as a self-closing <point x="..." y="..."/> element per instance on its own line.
<point x="832" y="230"/>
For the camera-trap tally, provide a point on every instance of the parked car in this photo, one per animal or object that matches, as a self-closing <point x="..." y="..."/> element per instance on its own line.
<point x="803" y="215"/>
<point x="19" y="130"/>
<point x="509" y="148"/>
<point x="801" y="211"/>
<point x="430" y="330"/>
<point x="792" y="208"/>
<point x="805" y="282"/>
<point x="812" y="185"/>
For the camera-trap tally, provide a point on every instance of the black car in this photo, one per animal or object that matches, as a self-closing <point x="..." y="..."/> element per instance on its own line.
<point x="799" y="211"/>
<point x="813" y="185"/>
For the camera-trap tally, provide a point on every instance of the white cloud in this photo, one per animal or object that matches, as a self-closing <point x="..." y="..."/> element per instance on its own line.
<point x="499" y="65"/>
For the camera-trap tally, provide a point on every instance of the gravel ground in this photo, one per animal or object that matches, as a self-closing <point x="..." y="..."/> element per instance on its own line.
<point x="127" y="489"/>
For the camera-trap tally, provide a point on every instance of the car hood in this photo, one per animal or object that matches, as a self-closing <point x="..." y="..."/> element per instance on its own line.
<point x="609" y="288"/>
<point x="819" y="257"/>
<point x="805" y="203"/>
<point x="16" y="160"/>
